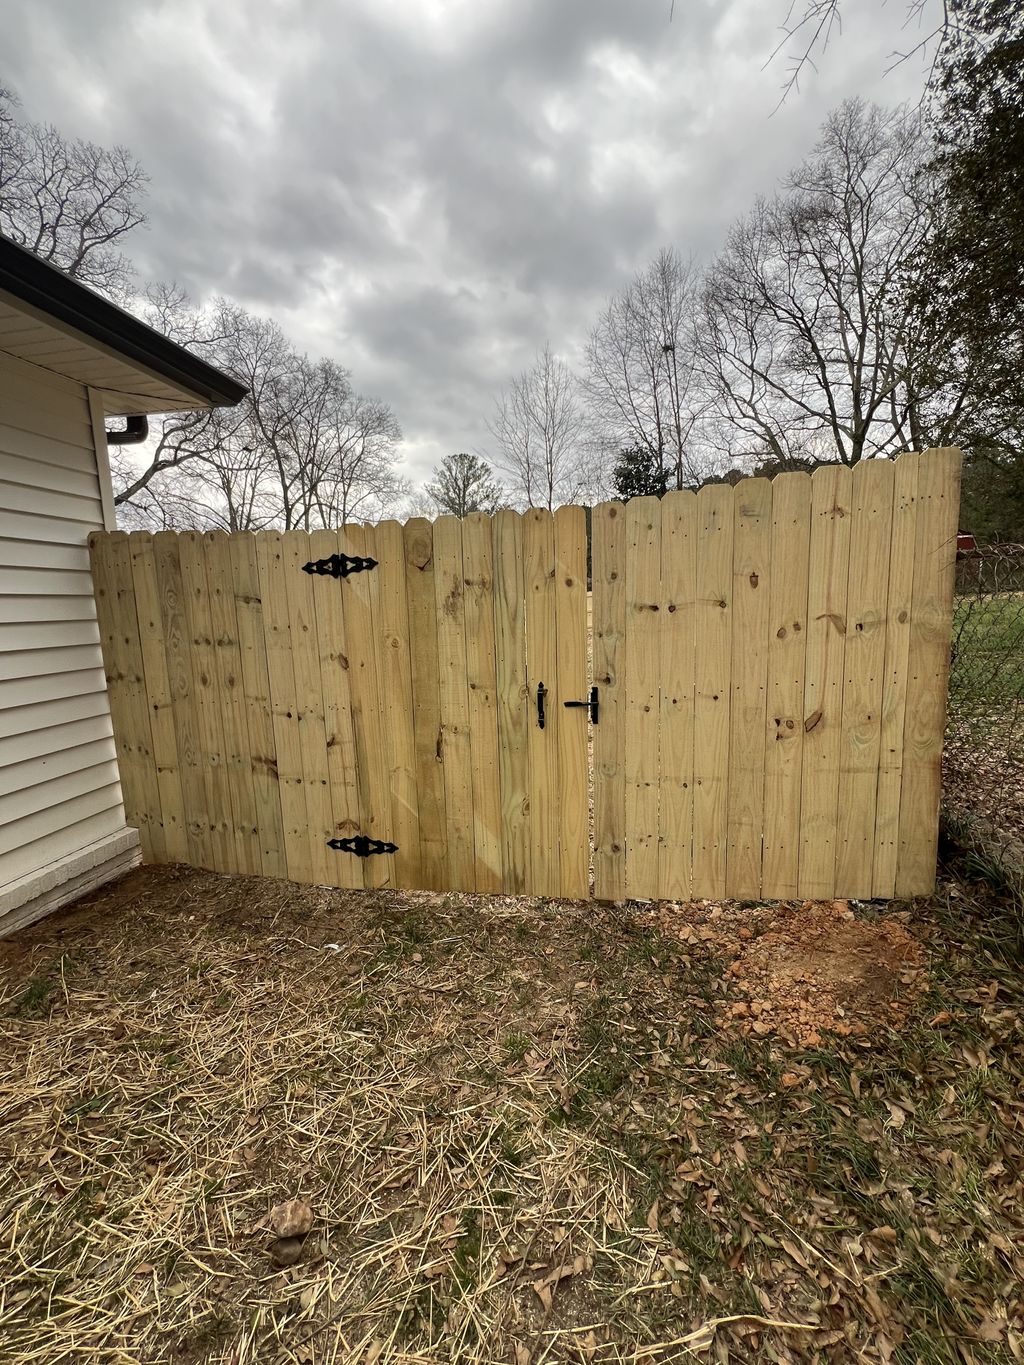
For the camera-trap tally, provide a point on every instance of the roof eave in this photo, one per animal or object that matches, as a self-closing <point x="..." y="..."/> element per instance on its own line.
<point x="72" y="304"/>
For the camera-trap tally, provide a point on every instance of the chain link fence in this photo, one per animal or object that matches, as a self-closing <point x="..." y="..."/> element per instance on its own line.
<point x="983" y="788"/>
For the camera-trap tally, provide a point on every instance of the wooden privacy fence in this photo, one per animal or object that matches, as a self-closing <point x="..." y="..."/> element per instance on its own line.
<point x="764" y="685"/>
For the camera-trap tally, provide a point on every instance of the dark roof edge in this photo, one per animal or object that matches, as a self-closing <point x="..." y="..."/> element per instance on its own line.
<point x="37" y="282"/>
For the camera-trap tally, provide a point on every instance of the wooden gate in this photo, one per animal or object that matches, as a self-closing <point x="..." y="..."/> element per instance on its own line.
<point x="376" y="729"/>
<point x="770" y="662"/>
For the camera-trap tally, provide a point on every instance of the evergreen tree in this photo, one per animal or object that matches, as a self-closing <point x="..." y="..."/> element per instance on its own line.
<point x="464" y="483"/>
<point x="637" y="474"/>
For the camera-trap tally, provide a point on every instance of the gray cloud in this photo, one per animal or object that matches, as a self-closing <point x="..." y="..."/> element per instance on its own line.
<point x="428" y="190"/>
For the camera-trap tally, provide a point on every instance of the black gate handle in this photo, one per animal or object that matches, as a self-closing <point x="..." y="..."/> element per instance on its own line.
<point x="591" y="703"/>
<point x="542" y="692"/>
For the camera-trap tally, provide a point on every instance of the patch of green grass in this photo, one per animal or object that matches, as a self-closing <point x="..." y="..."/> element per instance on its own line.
<point x="466" y="1267"/>
<point x="34" y="1000"/>
<point x="515" y="1046"/>
<point x="988" y="649"/>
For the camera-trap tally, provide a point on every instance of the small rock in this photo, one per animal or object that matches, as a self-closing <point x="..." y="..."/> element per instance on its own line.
<point x="286" y="1250"/>
<point x="293" y="1218"/>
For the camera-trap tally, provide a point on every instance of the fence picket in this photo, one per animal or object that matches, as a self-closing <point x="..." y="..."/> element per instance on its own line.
<point x="270" y="560"/>
<point x="831" y="505"/>
<point x="542" y="669"/>
<point x="678" y="660"/>
<point x="397" y="700"/>
<point x="422" y="608"/>
<point x="643" y="694"/>
<point x="608" y="530"/>
<point x="207" y="700"/>
<point x="478" y="564"/>
<point x="145" y="585"/>
<point x="787" y="647"/>
<point x="450" y="593"/>
<point x="513" y="707"/>
<point x="329" y="608"/>
<point x="572" y="808"/>
<point x="227" y="660"/>
<point x="715" y="529"/>
<point x="362" y="612"/>
<point x="117" y="624"/>
<point x="181" y="681"/>
<point x="864" y="662"/>
<point x="751" y="596"/>
<point x="259" y="719"/>
<point x="903" y="547"/>
<point x="938" y="493"/>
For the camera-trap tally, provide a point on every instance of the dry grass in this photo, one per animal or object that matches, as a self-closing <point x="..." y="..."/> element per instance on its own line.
<point x="525" y="1133"/>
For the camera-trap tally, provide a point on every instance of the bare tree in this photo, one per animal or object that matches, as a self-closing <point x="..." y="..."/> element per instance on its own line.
<point x="539" y="429"/>
<point x="68" y="200"/>
<point x="808" y="338"/>
<point x="810" y="25"/>
<point x="640" y="369"/>
<point x="302" y="450"/>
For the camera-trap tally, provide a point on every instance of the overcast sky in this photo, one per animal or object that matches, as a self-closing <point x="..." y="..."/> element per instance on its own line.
<point x="427" y="190"/>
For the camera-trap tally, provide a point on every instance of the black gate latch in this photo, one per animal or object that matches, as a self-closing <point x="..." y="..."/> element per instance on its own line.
<point x="542" y="692"/>
<point x="340" y="566"/>
<point x="592" y="703"/>
<point x="361" y="846"/>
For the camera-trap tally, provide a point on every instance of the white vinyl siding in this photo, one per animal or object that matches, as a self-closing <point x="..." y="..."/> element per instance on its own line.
<point x="59" y="789"/>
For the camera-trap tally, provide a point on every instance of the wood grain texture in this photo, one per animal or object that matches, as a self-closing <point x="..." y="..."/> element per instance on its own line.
<point x="542" y="669"/>
<point x="831" y="507"/>
<point x="309" y="699"/>
<point x="751" y="595"/>
<point x="677" y="644"/>
<point x="146" y="587"/>
<point x="339" y="734"/>
<point x="784" y="722"/>
<point x="228" y="663"/>
<point x="643" y="694"/>
<point x="428" y="738"/>
<point x="715" y="529"/>
<point x="116" y="618"/>
<point x="514" y="714"/>
<point x="362" y="612"/>
<point x="938" y="508"/>
<point x="180" y="679"/>
<point x="252" y="650"/>
<point x="903" y="548"/>
<point x="864" y="662"/>
<point x="207" y="702"/>
<point x="284" y="710"/>
<point x="397" y="700"/>
<point x="572" y="810"/>
<point x="608" y="533"/>
<point x="450" y="595"/>
<point x="481" y="675"/>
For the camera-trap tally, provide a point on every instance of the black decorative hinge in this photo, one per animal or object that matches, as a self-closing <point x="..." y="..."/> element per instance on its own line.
<point x="339" y="566"/>
<point x="591" y="703"/>
<point x="361" y="846"/>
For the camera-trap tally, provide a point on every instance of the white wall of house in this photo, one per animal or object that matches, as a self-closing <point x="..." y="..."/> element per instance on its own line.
<point x="62" y="823"/>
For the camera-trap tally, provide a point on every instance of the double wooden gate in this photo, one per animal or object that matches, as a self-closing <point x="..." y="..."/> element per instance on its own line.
<point x="769" y="660"/>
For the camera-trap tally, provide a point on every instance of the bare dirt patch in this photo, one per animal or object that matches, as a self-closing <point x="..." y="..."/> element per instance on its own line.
<point x="808" y="968"/>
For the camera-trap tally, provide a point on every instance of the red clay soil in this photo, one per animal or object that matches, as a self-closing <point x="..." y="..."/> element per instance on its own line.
<point x="811" y="968"/>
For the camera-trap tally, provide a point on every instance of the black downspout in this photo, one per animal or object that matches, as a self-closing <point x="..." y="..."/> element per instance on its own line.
<point x="136" y="429"/>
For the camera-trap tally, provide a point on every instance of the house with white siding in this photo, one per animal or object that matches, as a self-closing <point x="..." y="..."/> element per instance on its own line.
<point x="70" y="361"/>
